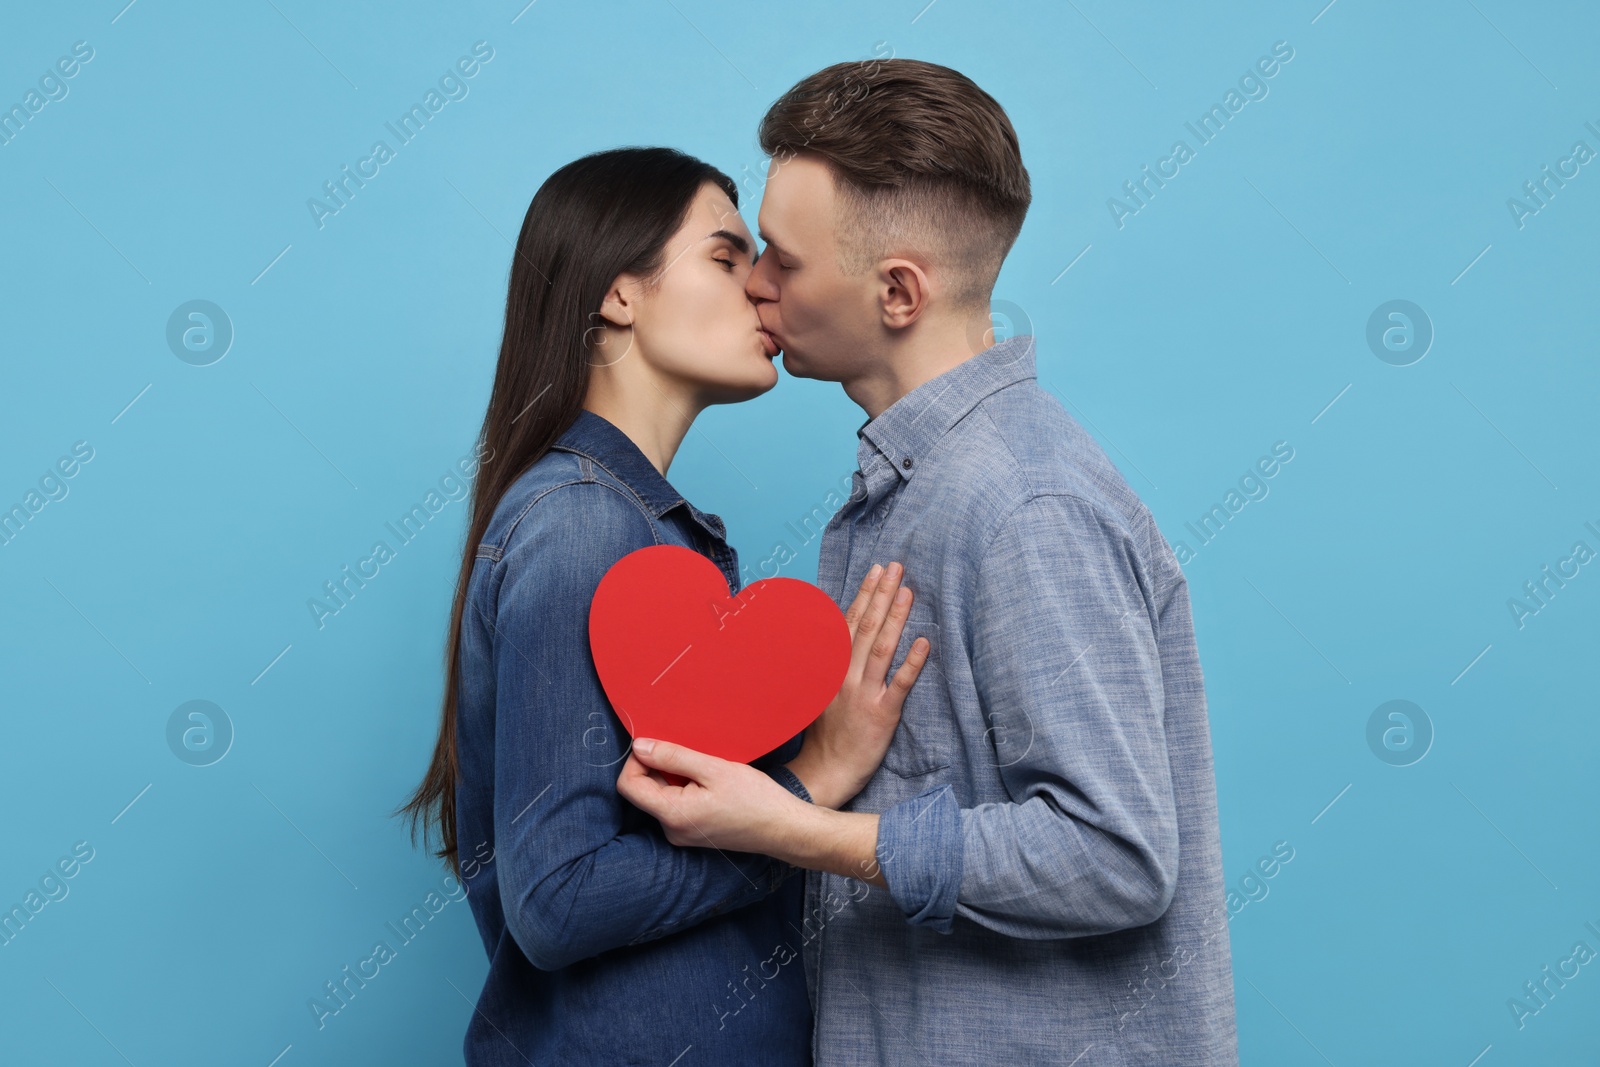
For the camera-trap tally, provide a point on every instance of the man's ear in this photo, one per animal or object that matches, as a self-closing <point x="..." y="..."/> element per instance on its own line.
<point x="904" y="291"/>
<point x="618" y="306"/>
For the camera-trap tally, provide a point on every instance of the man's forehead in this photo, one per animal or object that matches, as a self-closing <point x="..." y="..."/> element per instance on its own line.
<point x="797" y="184"/>
<point x="800" y="171"/>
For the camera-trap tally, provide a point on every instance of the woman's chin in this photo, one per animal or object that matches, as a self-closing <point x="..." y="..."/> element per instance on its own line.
<point x="752" y="385"/>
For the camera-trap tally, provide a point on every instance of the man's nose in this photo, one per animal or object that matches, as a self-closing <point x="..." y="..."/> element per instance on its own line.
<point x="758" y="286"/>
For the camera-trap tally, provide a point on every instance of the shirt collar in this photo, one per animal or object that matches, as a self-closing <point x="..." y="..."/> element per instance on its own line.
<point x="907" y="429"/>
<point x="599" y="439"/>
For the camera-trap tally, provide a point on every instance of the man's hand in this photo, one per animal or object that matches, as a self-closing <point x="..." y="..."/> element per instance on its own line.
<point x="735" y="806"/>
<point x="846" y="743"/>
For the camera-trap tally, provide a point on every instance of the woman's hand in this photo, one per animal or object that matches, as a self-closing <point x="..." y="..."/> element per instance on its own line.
<point x="846" y="743"/>
<point x="721" y="804"/>
<point x="733" y="806"/>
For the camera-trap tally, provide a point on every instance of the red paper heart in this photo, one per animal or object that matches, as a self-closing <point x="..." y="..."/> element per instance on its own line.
<point x="733" y="676"/>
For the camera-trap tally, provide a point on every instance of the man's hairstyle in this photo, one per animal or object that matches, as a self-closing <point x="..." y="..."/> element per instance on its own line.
<point x="922" y="159"/>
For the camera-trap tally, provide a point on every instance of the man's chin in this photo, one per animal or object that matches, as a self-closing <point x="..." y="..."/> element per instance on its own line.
<point x="794" y="365"/>
<point x="799" y="367"/>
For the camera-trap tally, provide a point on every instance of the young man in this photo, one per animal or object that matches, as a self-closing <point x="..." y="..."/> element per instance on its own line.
<point x="1043" y="828"/>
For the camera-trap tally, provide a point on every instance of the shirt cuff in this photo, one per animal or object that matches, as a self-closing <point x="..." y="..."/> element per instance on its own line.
<point x="790" y="781"/>
<point x="920" y="852"/>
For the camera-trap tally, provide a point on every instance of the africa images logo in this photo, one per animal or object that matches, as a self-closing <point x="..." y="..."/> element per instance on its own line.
<point x="452" y="86"/>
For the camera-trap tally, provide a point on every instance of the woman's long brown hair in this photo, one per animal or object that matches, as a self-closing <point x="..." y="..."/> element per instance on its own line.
<point x="598" y="217"/>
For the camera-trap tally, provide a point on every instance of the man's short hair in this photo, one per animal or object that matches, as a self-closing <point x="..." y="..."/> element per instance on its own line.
<point x="921" y="158"/>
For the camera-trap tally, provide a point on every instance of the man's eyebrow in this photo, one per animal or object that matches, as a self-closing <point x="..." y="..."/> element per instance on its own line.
<point x="769" y="242"/>
<point x="733" y="239"/>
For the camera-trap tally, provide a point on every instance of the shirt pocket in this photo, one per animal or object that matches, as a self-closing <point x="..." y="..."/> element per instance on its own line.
<point x="925" y="737"/>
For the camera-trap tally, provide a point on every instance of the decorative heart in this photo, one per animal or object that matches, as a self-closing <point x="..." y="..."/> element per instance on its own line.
<point x="732" y="676"/>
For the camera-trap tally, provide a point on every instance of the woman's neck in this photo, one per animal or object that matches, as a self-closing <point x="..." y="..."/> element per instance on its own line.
<point x="652" y="418"/>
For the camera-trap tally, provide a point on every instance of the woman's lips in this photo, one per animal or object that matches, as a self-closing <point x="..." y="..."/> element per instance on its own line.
<point x="768" y="342"/>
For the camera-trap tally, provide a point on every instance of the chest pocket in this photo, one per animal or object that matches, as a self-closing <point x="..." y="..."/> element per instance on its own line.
<point x="925" y="737"/>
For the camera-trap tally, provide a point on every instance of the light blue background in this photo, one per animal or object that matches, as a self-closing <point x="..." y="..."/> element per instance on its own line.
<point x="1228" y="314"/>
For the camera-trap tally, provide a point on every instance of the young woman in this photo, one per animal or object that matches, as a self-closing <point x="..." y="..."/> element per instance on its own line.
<point x="626" y="317"/>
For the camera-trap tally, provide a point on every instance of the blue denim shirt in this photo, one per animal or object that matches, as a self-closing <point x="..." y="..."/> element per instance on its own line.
<point x="607" y="945"/>
<point x="1048" y="825"/>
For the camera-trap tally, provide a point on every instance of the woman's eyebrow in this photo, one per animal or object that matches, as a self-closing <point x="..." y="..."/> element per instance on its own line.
<point x="732" y="238"/>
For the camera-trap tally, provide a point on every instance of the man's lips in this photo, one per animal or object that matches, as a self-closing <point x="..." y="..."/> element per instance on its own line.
<point x="768" y="342"/>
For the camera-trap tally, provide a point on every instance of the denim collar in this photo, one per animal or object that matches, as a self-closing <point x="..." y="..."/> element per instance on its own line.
<point x="600" y="440"/>
<point x="908" y="428"/>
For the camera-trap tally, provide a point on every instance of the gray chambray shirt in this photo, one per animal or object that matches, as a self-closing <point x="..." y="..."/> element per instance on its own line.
<point x="1048" y="809"/>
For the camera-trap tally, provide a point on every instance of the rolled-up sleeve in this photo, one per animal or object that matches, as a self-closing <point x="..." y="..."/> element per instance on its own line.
<point x="1068" y="674"/>
<point x="920" y="853"/>
<point x="581" y="870"/>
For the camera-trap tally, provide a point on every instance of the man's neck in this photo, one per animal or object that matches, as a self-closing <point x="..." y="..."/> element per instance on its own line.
<point x="920" y="357"/>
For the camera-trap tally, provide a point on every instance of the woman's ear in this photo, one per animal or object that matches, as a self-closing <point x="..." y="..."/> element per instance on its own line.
<point x="618" y="306"/>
